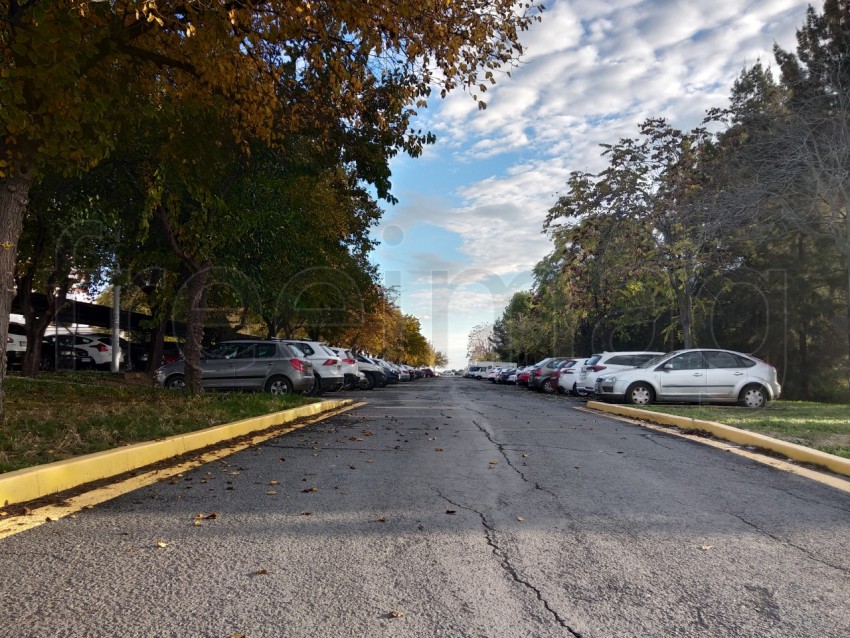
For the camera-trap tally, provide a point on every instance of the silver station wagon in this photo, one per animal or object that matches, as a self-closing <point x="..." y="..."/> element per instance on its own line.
<point x="246" y="364"/>
<point x="696" y="375"/>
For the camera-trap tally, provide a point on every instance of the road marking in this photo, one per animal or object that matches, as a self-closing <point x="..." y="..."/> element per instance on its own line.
<point x="51" y="513"/>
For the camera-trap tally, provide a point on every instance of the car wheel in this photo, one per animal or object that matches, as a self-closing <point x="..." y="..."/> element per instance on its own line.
<point x="383" y="384"/>
<point x="370" y="382"/>
<point x="547" y="387"/>
<point x="577" y="391"/>
<point x="753" y="396"/>
<point x="640" y="394"/>
<point x="176" y="382"/>
<point x="278" y="386"/>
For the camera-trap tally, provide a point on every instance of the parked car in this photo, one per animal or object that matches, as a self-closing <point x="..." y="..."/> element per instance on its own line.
<point x="374" y="373"/>
<point x="16" y="344"/>
<point x="60" y="357"/>
<point x="246" y="364"/>
<point x="171" y="352"/>
<point x="390" y="369"/>
<point x="99" y="347"/>
<point x="350" y="369"/>
<point x="610" y="362"/>
<point x="327" y="366"/>
<point x="695" y="375"/>
<point x="523" y="375"/>
<point x="505" y="375"/>
<point x="568" y="376"/>
<point x="541" y="376"/>
<point x="512" y="376"/>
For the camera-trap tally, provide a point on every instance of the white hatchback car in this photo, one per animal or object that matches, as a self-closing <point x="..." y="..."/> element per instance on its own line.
<point x="608" y="362"/>
<point x="327" y="366"/>
<point x="695" y="375"/>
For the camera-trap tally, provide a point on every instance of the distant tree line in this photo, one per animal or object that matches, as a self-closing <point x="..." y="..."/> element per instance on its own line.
<point x="734" y="234"/>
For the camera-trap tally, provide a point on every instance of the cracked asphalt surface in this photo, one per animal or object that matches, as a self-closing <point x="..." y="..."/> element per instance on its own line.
<point x="447" y="507"/>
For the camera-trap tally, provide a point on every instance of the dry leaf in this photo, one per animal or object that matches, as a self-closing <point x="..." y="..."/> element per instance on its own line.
<point x="310" y="489"/>
<point x="274" y="482"/>
<point x="355" y="438"/>
<point x="306" y="514"/>
<point x="161" y="544"/>
<point x="520" y="519"/>
<point x="271" y="493"/>
<point x="494" y="462"/>
<point x="525" y="456"/>
<point x="381" y="520"/>
<point x="395" y="613"/>
<point x="261" y="572"/>
<point x="451" y="511"/>
<point x="707" y="547"/>
<point x="211" y="517"/>
<point x="367" y="433"/>
<point x="438" y="449"/>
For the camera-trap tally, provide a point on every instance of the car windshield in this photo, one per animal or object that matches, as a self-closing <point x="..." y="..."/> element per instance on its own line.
<point x="657" y="360"/>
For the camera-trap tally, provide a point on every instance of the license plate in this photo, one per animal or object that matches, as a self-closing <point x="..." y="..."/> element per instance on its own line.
<point x="85" y="359"/>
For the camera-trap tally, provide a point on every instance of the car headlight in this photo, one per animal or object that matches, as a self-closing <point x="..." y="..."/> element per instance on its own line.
<point x="607" y="379"/>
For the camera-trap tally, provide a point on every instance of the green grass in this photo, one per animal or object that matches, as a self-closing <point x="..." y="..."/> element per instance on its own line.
<point x="58" y="416"/>
<point x="823" y="426"/>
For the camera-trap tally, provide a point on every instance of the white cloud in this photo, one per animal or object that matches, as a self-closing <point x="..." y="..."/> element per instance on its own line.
<point x="593" y="70"/>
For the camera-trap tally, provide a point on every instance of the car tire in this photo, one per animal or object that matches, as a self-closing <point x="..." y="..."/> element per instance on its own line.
<point x="370" y="382"/>
<point x="546" y="387"/>
<point x="752" y="396"/>
<point x="176" y="382"/>
<point x="279" y="386"/>
<point x="577" y="391"/>
<point x="640" y="394"/>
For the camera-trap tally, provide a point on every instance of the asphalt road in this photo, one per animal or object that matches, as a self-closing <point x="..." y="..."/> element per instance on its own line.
<point x="448" y="507"/>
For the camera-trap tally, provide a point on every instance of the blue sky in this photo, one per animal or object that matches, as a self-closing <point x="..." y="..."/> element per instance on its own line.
<point x="468" y="226"/>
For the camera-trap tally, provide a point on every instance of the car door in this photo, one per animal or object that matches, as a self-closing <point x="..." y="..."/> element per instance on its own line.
<point x="254" y="365"/>
<point x="724" y="376"/>
<point x="682" y="378"/>
<point x="218" y="366"/>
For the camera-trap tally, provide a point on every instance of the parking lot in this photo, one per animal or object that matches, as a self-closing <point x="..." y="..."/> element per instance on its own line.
<point x="448" y="507"/>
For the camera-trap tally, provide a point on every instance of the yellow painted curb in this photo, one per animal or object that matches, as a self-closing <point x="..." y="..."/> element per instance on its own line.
<point x="793" y="451"/>
<point x="35" y="482"/>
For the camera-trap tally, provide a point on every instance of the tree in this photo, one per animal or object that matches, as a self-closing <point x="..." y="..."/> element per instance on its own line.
<point x="70" y="69"/>
<point x="479" y="346"/>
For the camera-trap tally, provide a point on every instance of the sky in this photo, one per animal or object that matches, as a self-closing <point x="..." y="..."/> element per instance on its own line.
<point x="467" y="229"/>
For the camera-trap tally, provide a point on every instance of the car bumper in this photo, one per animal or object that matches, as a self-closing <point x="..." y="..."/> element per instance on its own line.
<point x="331" y="382"/>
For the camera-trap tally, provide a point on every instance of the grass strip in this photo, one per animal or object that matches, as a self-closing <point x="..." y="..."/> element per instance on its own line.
<point x="822" y="426"/>
<point x="59" y="416"/>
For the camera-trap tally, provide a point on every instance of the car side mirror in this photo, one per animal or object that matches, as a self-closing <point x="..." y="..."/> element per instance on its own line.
<point x="667" y="366"/>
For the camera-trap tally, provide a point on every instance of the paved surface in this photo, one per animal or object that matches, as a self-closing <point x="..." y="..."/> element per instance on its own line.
<point x="448" y="507"/>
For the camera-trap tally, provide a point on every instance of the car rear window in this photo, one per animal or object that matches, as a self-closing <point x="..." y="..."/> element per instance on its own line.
<point x="328" y="351"/>
<point x="16" y="329"/>
<point x="593" y="360"/>
<point x="623" y="360"/>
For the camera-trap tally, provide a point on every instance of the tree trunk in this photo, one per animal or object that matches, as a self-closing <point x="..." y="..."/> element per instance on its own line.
<point x="156" y="345"/>
<point x="196" y="288"/>
<point x="14" y="194"/>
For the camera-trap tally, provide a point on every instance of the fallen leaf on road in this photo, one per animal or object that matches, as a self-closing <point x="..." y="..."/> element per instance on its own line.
<point x="274" y="482"/>
<point x="451" y="511"/>
<point x="494" y="462"/>
<point x="438" y="449"/>
<point x="381" y="519"/>
<point x="525" y="456"/>
<point x="310" y="489"/>
<point x="161" y="544"/>
<point x="261" y="572"/>
<point x="707" y="547"/>
<point x="271" y="493"/>
<point x="367" y="433"/>
<point x="306" y="514"/>
<point x="395" y="614"/>
<point x="355" y="438"/>
<point x="520" y="519"/>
